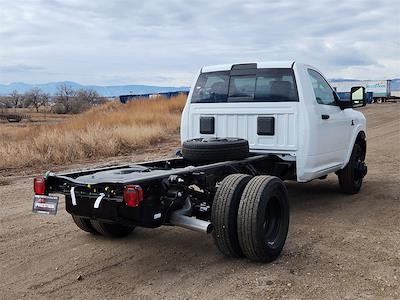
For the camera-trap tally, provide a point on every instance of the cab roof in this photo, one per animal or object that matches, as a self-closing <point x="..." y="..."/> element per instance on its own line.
<point x="259" y="65"/>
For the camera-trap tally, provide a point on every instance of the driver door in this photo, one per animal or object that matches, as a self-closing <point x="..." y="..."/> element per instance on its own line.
<point x="333" y="126"/>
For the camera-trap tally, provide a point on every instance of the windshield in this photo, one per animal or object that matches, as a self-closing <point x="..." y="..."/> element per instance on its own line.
<point x="262" y="85"/>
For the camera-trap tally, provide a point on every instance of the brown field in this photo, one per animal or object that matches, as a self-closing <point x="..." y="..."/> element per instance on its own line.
<point x="108" y="130"/>
<point x="338" y="247"/>
<point x="44" y="116"/>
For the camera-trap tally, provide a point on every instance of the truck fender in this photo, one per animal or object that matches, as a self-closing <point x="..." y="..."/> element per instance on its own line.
<point x="360" y="138"/>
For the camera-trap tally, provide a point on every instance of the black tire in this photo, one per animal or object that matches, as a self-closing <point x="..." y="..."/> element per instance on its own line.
<point x="351" y="177"/>
<point x="215" y="149"/>
<point x="224" y="214"/>
<point x="84" y="224"/>
<point x="111" y="230"/>
<point x="263" y="218"/>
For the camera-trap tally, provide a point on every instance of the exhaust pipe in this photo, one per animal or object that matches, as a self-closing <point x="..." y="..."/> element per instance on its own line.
<point x="180" y="218"/>
<point x="191" y="223"/>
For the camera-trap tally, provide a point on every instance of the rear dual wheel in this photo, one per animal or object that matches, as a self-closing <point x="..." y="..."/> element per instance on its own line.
<point x="251" y="217"/>
<point x="111" y="230"/>
<point x="263" y="218"/>
<point x="84" y="224"/>
<point x="224" y="214"/>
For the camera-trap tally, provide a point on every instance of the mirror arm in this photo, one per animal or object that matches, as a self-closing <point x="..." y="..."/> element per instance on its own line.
<point x="337" y="100"/>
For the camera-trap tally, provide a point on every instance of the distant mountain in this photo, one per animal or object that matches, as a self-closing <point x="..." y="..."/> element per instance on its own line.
<point x="342" y="80"/>
<point x="116" y="90"/>
<point x="106" y="91"/>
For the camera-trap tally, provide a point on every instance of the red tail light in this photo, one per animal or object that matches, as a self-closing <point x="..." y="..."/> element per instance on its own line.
<point x="133" y="195"/>
<point x="39" y="185"/>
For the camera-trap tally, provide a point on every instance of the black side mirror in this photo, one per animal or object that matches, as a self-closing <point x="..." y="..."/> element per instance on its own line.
<point x="343" y="103"/>
<point x="357" y="96"/>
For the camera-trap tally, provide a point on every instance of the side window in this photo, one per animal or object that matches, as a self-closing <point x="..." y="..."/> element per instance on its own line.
<point x="322" y="90"/>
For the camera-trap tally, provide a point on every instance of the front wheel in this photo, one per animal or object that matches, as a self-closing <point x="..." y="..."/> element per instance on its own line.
<point x="351" y="177"/>
<point x="263" y="218"/>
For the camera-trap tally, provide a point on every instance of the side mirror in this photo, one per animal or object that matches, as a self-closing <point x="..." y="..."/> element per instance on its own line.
<point x="357" y="96"/>
<point x="343" y="103"/>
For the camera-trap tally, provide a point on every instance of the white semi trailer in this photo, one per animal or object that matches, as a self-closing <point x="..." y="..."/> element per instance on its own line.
<point x="381" y="89"/>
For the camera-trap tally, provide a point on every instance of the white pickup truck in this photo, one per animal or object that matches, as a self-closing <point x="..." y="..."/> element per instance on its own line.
<point x="287" y="109"/>
<point x="245" y="129"/>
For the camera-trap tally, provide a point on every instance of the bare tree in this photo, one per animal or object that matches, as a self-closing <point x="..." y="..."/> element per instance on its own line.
<point x="88" y="96"/>
<point x="5" y="102"/>
<point x="65" y="97"/>
<point x="36" y="98"/>
<point x="16" y="98"/>
<point x="69" y="101"/>
<point x="45" y="99"/>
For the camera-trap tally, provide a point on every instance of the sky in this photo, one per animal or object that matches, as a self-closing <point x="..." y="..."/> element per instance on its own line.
<point x="165" y="42"/>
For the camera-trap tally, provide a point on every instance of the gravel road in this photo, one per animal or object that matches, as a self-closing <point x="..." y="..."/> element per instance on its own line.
<point x="338" y="246"/>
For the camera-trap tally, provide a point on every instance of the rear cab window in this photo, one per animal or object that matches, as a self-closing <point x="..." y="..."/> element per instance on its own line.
<point x="253" y="85"/>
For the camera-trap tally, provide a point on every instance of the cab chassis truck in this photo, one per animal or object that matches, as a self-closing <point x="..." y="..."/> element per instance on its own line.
<point x="245" y="129"/>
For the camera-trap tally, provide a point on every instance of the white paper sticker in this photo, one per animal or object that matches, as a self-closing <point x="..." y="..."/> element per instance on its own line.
<point x="98" y="200"/>
<point x="73" y="199"/>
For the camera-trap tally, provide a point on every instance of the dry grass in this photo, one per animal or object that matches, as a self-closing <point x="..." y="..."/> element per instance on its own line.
<point x="43" y="117"/>
<point x="108" y="130"/>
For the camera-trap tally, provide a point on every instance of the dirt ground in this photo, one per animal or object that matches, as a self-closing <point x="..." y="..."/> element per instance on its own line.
<point x="338" y="247"/>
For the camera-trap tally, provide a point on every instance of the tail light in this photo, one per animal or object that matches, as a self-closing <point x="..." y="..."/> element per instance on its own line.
<point x="133" y="195"/>
<point x="39" y="185"/>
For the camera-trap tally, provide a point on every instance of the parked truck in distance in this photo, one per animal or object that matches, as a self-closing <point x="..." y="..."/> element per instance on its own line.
<point x="245" y="129"/>
<point x="377" y="90"/>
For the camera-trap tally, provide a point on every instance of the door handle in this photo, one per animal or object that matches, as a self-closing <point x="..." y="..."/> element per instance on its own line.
<point x="325" y="117"/>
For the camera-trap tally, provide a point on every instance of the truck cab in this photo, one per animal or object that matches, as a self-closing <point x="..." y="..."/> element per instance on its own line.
<point x="286" y="109"/>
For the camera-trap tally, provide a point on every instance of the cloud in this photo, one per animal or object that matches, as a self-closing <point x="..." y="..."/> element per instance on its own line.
<point x="165" y="42"/>
<point x="18" y="68"/>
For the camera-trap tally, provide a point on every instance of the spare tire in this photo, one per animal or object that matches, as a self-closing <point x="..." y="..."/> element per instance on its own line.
<point x="215" y="149"/>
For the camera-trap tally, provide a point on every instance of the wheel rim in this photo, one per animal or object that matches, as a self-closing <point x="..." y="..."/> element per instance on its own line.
<point x="272" y="222"/>
<point x="358" y="166"/>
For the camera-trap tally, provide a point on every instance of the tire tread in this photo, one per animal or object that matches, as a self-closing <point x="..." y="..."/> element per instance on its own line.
<point x="83" y="224"/>
<point x="247" y="220"/>
<point x="194" y="150"/>
<point x="223" y="214"/>
<point x="345" y="177"/>
<point x="111" y="230"/>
